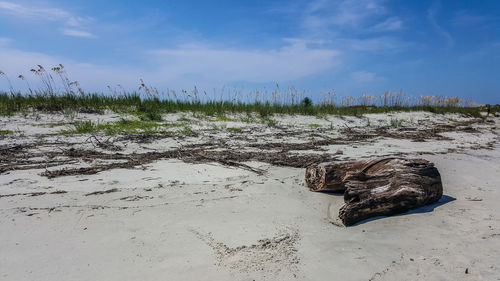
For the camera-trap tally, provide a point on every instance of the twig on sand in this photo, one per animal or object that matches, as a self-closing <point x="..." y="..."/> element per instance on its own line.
<point x="102" y="192"/>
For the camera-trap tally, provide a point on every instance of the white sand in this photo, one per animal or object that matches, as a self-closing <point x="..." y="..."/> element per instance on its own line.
<point x="171" y="220"/>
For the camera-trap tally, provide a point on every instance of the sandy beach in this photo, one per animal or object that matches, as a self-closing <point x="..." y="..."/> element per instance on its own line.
<point x="225" y="199"/>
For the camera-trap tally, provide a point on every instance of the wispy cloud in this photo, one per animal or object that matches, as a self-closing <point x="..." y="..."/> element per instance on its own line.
<point x="431" y="16"/>
<point x="185" y="66"/>
<point x="464" y="18"/>
<point x="363" y="77"/>
<point x="343" y="21"/>
<point x="293" y="61"/>
<point x="77" y="33"/>
<point x="53" y="14"/>
<point x="323" y="14"/>
<point x="76" y="23"/>
<point x="390" y="24"/>
<point x="489" y="52"/>
<point x="377" y="44"/>
<point x="92" y="77"/>
<point x="5" y="41"/>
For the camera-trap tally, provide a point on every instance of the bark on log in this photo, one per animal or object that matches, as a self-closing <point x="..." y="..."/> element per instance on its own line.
<point x="383" y="186"/>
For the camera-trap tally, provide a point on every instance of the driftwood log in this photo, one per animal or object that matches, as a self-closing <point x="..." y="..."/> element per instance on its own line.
<point x="377" y="187"/>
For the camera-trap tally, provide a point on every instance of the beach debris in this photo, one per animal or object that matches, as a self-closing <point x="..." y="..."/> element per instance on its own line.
<point x="188" y="154"/>
<point x="102" y="192"/>
<point x="378" y="187"/>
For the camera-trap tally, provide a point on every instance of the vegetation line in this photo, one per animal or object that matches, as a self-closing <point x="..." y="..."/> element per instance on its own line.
<point x="152" y="108"/>
<point x="64" y="95"/>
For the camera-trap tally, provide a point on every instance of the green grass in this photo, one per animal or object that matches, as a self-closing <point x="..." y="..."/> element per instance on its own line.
<point x="150" y="116"/>
<point x="131" y="126"/>
<point x="397" y="122"/>
<point x="188" y="131"/>
<point x="494" y="109"/>
<point x="268" y="121"/>
<point x="248" y="119"/>
<point x="6" y="132"/>
<point x="235" y="130"/>
<point x="85" y="127"/>
<point x="184" y="119"/>
<point x="313" y="125"/>
<point x="171" y="124"/>
<point x="223" y="118"/>
<point x="113" y="128"/>
<point x="151" y="109"/>
<point x="51" y="124"/>
<point x="126" y="126"/>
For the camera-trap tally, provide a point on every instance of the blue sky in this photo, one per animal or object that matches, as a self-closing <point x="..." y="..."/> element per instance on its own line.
<point x="445" y="48"/>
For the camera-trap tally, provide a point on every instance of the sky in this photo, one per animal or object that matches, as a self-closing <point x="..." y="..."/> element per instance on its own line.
<point x="442" y="48"/>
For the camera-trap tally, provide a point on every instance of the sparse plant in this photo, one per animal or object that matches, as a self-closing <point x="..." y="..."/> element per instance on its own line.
<point x="6" y="132"/>
<point x="313" y="125"/>
<point x="20" y="76"/>
<point x="69" y="112"/>
<point x="46" y="79"/>
<point x="235" y="130"/>
<point x="151" y="116"/>
<point x="2" y="74"/>
<point x="269" y="122"/>
<point x="183" y="119"/>
<point x="188" y="131"/>
<point x="67" y="84"/>
<point x="396" y="123"/>
<point x="223" y="118"/>
<point x="85" y="127"/>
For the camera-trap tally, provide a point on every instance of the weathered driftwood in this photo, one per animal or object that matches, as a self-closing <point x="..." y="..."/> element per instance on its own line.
<point x="377" y="187"/>
<point x="329" y="177"/>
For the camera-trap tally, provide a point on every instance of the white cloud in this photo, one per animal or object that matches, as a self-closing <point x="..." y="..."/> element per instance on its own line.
<point x="92" y="77"/>
<point x="183" y="67"/>
<point x="323" y="14"/>
<point x="390" y="24"/>
<point x="294" y="61"/>
<point x="342" y="21"/>
<point x="49" y="14"/>
<point x="377" y="44"/>
<point x="465" y="19"/>
<point x="363" y="76"/>
<point x="46" y="13"/>
<point x="5" y="41"/>
<point x="483" y="52"/>
<point x="431" y="15"/>
<point x="77" y="33"/>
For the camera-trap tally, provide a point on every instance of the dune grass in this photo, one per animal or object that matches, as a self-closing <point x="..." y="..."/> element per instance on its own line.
<point x="151" y="108"/>
<point x="124" y="126"/>
<point x="57" y="93"/>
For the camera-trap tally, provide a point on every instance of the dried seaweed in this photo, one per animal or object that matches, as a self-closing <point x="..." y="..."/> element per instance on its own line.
<point x="31" y="155"/>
